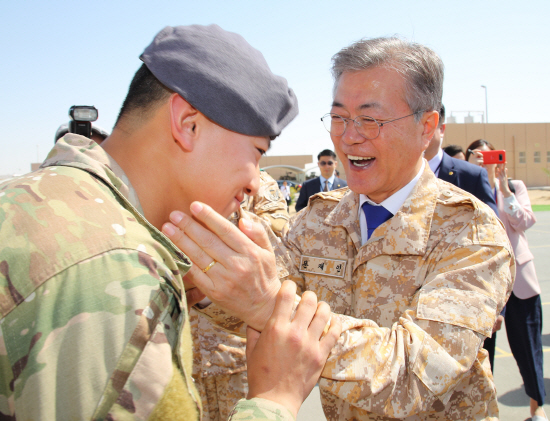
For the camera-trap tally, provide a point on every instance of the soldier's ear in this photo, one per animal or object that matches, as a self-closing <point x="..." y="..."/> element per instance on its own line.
<point x="183" y="122"/>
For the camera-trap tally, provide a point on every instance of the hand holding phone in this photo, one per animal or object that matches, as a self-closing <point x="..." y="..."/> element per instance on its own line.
<point x="494" y="157"/>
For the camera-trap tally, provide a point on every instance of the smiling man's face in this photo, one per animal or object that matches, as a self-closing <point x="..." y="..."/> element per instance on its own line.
<point x="379" y="167"/>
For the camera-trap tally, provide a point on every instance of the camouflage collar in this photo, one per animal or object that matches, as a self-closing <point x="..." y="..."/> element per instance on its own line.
<point x="80" y="152"/>
<point x="406" y="233"/>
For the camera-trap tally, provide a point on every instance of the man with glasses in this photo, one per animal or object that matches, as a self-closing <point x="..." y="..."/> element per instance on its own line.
<point x="326" y="160"/>
<point x="416" y="269"/>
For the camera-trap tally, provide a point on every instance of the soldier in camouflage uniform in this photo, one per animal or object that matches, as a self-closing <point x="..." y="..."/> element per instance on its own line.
<point x="93" y="316"/>
<point x="416" y="269"/>
<point x="269" y="204"/>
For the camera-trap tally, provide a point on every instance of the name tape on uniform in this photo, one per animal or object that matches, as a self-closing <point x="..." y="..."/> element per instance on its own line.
<point x="323" y="266"/>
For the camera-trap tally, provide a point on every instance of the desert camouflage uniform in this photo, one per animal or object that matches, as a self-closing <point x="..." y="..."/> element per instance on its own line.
<point x="219" y="356"/>
<point x="93" y="320"/>
<point x="269" y="204"/>
<point x="417" y="301"/>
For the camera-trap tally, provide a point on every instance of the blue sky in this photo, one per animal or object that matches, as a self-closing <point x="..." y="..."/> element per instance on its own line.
<point x="59" y="53"/>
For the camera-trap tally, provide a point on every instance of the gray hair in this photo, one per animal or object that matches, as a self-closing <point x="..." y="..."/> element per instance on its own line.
<point x="420" y="66"/>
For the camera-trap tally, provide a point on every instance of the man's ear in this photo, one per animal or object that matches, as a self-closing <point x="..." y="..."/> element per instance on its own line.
<point x="429" y="121"/>
<point x="183" y="122"/>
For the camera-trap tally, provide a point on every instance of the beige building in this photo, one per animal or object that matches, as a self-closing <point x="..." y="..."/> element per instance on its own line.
<point x="527" y="146"/>
<point x="289" y="167"/>
<point x="292" y="167"/>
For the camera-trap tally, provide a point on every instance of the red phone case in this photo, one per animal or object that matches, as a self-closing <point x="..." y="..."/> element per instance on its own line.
<point x="494" y="157"/>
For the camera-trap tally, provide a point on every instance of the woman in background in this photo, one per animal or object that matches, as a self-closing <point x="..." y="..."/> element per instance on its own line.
<point x="523" y="311"/>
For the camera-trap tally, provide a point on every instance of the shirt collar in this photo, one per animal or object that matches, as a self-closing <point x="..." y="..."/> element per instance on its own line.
<point x="392" y="203"/>
<point x="330" y="180"/>
<point x="436" y="161"/>
<point x="396" y="200"/>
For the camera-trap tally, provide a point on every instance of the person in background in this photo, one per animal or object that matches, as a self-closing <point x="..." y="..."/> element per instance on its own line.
<point x="326" y="160"/>
<point x="269" y="204"/>
<point x="285" y="191"/>
<point x="455" y="171"/>
<point x="455" y="151"/>
<point x="98" y="134"/>
<point x="523" y="317"/>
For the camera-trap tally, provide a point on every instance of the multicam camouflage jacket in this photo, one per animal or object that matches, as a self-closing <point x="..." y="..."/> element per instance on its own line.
<point x="416" y="302"/>
<point x="93" y="319"/>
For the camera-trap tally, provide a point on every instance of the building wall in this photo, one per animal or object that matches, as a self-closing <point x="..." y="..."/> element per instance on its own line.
<point x="300" y="161"/>
<point x="526" y="138"/>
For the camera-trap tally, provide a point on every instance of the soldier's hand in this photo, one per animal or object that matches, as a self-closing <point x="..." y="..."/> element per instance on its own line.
<point x="243" y="280"/>
<point x="286" y="359"/>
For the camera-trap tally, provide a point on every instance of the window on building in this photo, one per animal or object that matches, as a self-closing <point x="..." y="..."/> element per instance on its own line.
<point x="522" y="157"/>
<point x="536" y="157"/>
<point x="547" y="156"/>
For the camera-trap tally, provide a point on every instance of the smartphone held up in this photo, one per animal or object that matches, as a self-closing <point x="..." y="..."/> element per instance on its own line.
<point x="494" y="157"/>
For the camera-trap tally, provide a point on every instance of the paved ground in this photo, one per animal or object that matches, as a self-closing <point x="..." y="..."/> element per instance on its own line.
<point x="513" y="403"/>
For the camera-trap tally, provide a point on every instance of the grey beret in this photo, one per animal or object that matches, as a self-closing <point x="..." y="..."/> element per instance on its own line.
<point x="223" y="77"/>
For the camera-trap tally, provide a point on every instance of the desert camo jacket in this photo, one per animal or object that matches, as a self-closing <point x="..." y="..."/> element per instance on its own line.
<point x="269" y="204"/>
<point x="219" y="355"/>
<point x="417" y="300"/>
<point x="93" y="318"/>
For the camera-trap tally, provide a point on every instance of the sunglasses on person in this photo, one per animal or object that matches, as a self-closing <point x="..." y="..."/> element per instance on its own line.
<point x="323" y="163"/>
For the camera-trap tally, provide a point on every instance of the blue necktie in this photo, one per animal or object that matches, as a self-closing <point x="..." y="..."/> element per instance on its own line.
<point x="375" y="215"/>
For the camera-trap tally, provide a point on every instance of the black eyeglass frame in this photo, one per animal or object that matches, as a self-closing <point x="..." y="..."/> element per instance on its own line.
<point x="357" y="124"/>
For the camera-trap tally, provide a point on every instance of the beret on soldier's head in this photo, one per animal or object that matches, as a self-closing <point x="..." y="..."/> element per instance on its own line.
<point x="223" y="77"/>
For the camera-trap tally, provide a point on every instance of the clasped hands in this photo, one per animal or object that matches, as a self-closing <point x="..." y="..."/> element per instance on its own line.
<point x="285" y="360"/>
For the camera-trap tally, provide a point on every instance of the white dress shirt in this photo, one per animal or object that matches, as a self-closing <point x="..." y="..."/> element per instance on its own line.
<point x="435" y="162"/>
<point x="392" y="203"/>
<point x="330" y="182"/>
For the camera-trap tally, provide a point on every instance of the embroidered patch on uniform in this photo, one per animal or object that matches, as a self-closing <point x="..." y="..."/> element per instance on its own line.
<point x="272" y="193"/>
<point x="323" y="266"/>
<point x="279" y="216"/>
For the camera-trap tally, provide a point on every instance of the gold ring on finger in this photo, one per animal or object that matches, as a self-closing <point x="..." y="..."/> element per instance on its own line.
<point x="207" y="268"/>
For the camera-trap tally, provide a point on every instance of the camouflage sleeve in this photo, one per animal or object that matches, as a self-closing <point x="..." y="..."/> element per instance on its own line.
<point x="97" y="340"/>
<point x="404" y="369"/>
<point x="258" y="409"/>
<point x="269" y="204"/>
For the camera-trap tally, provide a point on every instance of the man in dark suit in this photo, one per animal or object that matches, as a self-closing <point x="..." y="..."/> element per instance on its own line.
<point x="462" y="174"/>
<point x="468" y="177"/>
<point x="326" y="182"/>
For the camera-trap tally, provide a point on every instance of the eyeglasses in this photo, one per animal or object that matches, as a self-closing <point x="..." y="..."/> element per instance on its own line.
<point x="323" y="163"/>
<point x="366" y="126"/>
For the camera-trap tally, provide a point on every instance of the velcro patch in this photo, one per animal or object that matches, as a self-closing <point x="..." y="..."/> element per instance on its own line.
<point x="323" y="266"/>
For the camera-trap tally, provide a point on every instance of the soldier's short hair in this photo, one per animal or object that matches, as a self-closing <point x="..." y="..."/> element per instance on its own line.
<point x="145" y="94"/>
